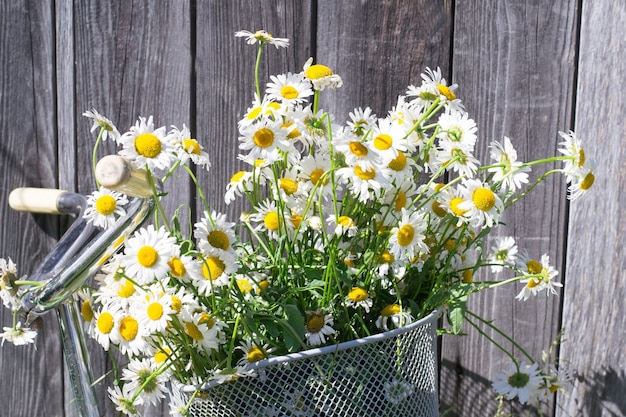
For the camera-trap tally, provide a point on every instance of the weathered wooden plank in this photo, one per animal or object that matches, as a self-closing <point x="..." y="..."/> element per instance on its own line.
<point x="514" y="62"/>
<point x="225" y="77"/>
<point x="131" y="59"/>
<point x="32" y="378"/>
<point x="594" y="311"/>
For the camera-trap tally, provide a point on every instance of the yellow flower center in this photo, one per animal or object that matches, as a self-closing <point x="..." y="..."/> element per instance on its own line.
<point x="400" y="201"/>
<point x="454" y="206"/>
<point x="191" y="146"/>
<point x="244" y="285"/>
<point x="86" y="311"/>
<point x="383" y="142"/>
<point x="193" y="331"/>
<point x="484" y="199"/>
<point x="106" y="205"/>
<point x="263" y="137"/>
<point x="316" y="176"/>
<point x="317" y="71"/>
<point x="237" y="176"/>
<point x="345" y="221"/>
<point x="207" y="319"/>
<point x="364" y="174"/>
<point x="272" y="221"/>
<point x="218" y="239"/>
<point x="315" y="323"/>
<point x="148" y="145"/>
<point x="263" y="285"/>
<point x="405" y="235"/>
<point x="390" y="310"/>
<point x="255" y="354"/>
<point x="147" y="256"/>
<point x="358" y="149"/>
<point x="213" y="267"/>
<point x="293" y="133"/>
<point x="295" y="220"/>
<point x="254" y="113"/>
<point x="446" y="92"/>
<point x="155" y="311"/>
<point x="126" y="290"/>
<point x="581" y="157"/>
<point x="129" y="327"/>
<point x="587" y="182"/>
<point x="438" y="209"/>
<point x="161" y="356"/>
<point x="468" y="276"/>
<point x="177" y="304"/>
<point x="289" y="92"/>
<point x="177" y="268"/>
<point x="533" y="282"/>
<point x="349" y="262"/>
<point x="387" y="258"/>
<point x="105" y="323"/>
<point x="357" y="294"/>
<point x="534" y="267"/>
<point x="398" y="163"/>
<point x="288" y="185"/>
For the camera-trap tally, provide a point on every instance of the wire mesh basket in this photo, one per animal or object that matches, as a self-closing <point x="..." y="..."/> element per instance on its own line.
<point x="391" y="373"/>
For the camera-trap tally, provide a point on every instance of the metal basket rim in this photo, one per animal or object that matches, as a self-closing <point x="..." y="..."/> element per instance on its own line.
<point x="309" y="353"/>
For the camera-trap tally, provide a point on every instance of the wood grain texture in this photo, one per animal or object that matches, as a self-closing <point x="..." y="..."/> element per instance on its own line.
<point x="594" y="311"/>
<point x="32" y="377"/>
<point x="514" y="63"/>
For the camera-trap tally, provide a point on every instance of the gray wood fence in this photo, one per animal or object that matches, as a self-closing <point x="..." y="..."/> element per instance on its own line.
<point x="526" y="69"/>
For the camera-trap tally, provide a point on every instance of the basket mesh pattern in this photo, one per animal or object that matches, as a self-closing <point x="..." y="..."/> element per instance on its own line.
<point x="395" y="376"/>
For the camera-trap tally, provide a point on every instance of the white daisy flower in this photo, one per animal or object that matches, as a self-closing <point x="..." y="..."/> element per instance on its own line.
<point x="129" y="335"/>
<point x="262" y="37"/>
<point x="344" y="225"/>
<point x="147" y="254"/>
<point x="185" y="268"/>
<point x="217" y="267"/>
<point x="264" y="140"/>
<point x="542" y="278"/>
<point x="318" y="326"/>
<point x="361" y="121"/>
<point x="356" y="151"/>
<point x="288" y="88"/>
<point x="145" y="145"/>
<point x="18" y="335"/>
<point x="239" y="183"/>
<point x="393" y="314"/>
<point x="503" y="253"/>
<point x="9" y="291"/>
<point x="141" y="374"/>
<point x="580" y="183"/>
<point x="521" y="381"/>
<point x="205" y="331"/>
<point x="213" y="232"/>
<point x="407" y="238"/>
<point x="509" y="171"/>
<point x="188" y="148"/>
<point x="435" y="86"/>
<point x="260" y="109"/>
<point x="123" y="400"/>
<point x="366" y="184"/>
<point x="315" y="169"/>
<point x="481" y="205"/>
<point x="457" y="158"/>
<point x="387" y="138"/>
<point x="320" y="76"/>
<point x="458" y="128"/>
<point x="253" y="352"/>
<point x="99" y="121"/>
<point x="153" y="310"/>
<point x="359" y="298"/>
<point x="269" y="218"/>
<point x="572" y="147"/>
<point x="104" y="207"/>
<point x="104" y="326"/>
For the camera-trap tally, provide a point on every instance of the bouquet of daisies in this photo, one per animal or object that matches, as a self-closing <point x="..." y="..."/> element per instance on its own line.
<point x="347" y="230"/>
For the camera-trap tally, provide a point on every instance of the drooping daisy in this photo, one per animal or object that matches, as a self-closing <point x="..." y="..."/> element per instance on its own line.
<point x="503" y="253"/>
<point x="141" y="373"/>
<point x="572" y="147"/>
<point x="262" y="37"/>
<point x="318" y="326"/>
<point x="188" y="148"/>
<point x="213" y="232"/>
<point x="99" y="121"/>
<point x="395" y="315"/>
<point x="264" y="139"/>
<point x="239" y="183"/>
<point x="580" y="183"/>
<point x="288" y="88"/>
<point x="521" y="381"/>
<point x="541" y="277"/>
<point x="104" y="207"/>
<point x="407" y="238"/>
<point x="397" y="391"/>
<point x="122" y="398"/>
<point x="9" y="291"/>
<point x="204" y="331"/>
<point x="145" y="145"/>
<point x="481" y="205"/>
<point x="147" y="254"/>
<point x="359" y="298"/>
<point x="321" y="76"/>
<point x="509" y="171"/>
<point x="18" y="335"/>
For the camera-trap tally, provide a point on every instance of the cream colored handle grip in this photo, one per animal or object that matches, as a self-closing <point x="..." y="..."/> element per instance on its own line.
<point x="117" y="174"/>
<point x="35" y="200"/>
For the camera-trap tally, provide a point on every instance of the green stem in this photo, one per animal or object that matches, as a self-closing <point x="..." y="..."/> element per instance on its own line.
<point x="94" y="155"/>
<point x="529" y="189"/>
<point x="257" y="65"/>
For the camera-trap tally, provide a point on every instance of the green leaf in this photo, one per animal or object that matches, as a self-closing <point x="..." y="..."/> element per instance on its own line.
<point x="293" y="328"/>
